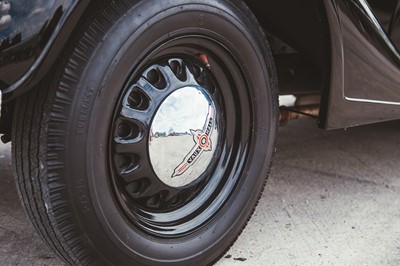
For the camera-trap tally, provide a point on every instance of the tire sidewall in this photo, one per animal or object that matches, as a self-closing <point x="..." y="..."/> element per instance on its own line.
<point x="111" y="64"/>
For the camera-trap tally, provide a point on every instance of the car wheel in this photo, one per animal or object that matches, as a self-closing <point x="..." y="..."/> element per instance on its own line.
<point x="152" y="140"/>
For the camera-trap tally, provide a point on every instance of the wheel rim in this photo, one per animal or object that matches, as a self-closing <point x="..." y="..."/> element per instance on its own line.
<point x="168" y="196"/>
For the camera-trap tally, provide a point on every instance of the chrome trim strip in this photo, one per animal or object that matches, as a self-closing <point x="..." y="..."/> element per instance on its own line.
<point x="371" y="101"/>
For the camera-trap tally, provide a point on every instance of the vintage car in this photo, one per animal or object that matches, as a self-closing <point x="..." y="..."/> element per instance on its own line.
<point x="143" y="130"/>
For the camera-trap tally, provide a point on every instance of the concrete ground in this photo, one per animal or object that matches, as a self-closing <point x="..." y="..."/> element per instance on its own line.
<point x="333" y="198"/>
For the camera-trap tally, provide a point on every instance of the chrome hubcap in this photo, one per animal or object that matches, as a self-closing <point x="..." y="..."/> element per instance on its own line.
<point x="183" y="135"/>
<point x="175" y="145"/>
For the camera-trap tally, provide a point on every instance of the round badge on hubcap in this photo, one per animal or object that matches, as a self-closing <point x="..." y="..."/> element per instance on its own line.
<point x="183" y="135"/>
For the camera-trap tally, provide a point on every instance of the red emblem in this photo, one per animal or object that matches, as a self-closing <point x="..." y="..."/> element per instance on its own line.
<point x="202" y="142"/>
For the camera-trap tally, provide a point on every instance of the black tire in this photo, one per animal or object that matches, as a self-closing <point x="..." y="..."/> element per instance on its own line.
<point x="66" y="157"/>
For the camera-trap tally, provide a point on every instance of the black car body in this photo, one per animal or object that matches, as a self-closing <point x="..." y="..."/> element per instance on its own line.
<point x="344" y="52"/>
<point x="351" y="47"/>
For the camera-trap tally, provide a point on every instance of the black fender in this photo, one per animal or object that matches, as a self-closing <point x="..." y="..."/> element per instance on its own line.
<point x="33" y="35"/>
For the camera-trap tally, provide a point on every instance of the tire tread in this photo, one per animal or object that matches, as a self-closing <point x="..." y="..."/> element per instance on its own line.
<point x="28" y="165"/>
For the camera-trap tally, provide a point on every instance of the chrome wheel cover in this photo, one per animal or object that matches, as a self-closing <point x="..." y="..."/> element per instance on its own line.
<point x="183" y="134"/>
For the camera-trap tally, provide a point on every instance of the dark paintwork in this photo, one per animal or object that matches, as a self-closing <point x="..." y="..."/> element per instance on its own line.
<point x="30" y="45"/>
<point x="395" y="26"/>
<point x="23" y="40"/>
<point x="347" y="43"/>
<point x="365" y="66"/>
<point x="383" y="10"/>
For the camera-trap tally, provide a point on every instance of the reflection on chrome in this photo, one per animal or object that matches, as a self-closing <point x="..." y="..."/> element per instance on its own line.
<point x="183" y="136"/>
